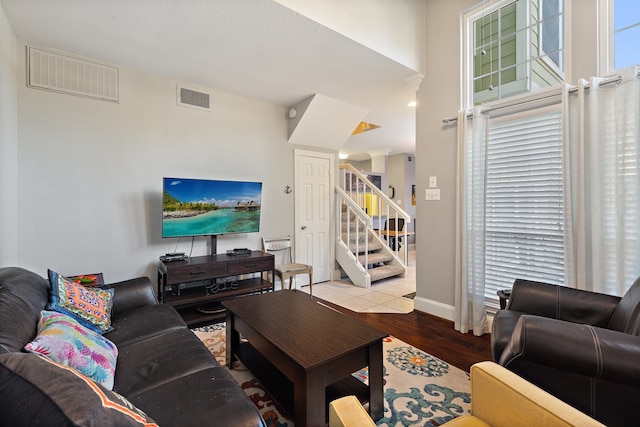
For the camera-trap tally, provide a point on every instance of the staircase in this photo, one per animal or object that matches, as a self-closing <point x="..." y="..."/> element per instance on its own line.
<point x="362" y="251"/>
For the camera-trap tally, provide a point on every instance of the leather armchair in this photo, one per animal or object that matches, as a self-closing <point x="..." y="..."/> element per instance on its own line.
<point x="580" y="346"/>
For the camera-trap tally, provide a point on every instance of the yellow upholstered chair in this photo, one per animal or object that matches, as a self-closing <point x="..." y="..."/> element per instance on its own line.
<point x="285" y="267"/>
<point x="499" y="398"/>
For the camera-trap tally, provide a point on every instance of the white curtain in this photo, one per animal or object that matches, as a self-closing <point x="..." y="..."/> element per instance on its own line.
<point x="601" y="167"/>
<point x="470" y="310"/>
<point x="602" y="184"/>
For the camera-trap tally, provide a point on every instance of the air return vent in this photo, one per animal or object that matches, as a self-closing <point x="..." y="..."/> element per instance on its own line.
<point x="193" y="99"/>
<point x="60" y="73"/>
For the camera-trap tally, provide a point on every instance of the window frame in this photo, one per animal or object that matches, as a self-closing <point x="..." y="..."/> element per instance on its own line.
<point x="546" y="58"/>
<point x="522" y="82"/>
<point x="606" y="37"/>
<point x="524" y="60"/>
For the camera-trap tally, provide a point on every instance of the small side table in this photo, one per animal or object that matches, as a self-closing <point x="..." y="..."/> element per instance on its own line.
<point x="504" y="296"/>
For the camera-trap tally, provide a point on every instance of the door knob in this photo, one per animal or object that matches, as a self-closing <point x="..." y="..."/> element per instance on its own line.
<point x="304" y="227"/>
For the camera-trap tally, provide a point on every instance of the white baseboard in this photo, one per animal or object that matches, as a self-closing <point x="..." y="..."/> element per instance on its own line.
<point x="441" y="310"/>
<point x="435" y="308"/>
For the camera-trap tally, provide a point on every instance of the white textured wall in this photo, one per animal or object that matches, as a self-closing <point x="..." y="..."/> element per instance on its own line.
<point x="394" y="28"/>
<point x="90" y="172"/>
<point x="8" y="144"/>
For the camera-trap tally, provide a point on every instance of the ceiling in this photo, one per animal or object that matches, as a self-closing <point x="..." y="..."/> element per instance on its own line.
<point x="258" y="49"/>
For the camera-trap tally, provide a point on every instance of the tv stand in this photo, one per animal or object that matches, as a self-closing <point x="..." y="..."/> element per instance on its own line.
<point x="214" y="244"/>
<point x="183" y="284"/>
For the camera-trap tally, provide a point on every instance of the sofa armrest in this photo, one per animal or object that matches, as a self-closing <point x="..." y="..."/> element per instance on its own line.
<point x="575" y="348"/>
<point x="563" y="303"/>
<point x="501" y="398"/>
<point x="348" y="412"/>
<point x="133" y="293"/>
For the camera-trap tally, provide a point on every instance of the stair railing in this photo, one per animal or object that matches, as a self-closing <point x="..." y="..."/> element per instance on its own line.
<point x="350" y="217"/>
<point x="377" y="205"/>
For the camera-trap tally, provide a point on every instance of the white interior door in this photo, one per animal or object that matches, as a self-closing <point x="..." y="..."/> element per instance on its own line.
<point x="313" y="204"/>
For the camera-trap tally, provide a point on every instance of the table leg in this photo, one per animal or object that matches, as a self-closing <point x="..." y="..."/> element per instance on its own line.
<point x="376" y="394"/>
<point x="309" y="399"/>
<point x="233" y="339"/>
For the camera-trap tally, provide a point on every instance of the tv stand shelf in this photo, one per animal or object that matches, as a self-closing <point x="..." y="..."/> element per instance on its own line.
<point x="177" y="283"/>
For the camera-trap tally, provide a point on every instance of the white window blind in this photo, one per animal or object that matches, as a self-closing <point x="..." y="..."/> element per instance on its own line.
<point x="524" y="202"/>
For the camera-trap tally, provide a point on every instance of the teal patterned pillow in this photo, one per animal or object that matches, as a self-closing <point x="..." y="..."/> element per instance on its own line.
<point x="64" y="340"/>
<point x="90" y="306"/>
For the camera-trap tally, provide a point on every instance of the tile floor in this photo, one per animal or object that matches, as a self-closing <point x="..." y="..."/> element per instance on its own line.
<point x="385" y="296"/>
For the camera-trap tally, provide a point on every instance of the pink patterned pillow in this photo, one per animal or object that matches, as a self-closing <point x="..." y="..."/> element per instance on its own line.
<point x="63" y="339"/>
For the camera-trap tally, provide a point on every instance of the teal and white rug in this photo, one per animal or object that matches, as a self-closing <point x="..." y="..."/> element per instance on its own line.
<point x="419" y="389"/>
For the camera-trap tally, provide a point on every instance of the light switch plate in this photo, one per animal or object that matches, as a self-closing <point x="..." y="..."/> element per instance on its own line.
<point x="433" y="181"/>
<point x="432" y="194"/>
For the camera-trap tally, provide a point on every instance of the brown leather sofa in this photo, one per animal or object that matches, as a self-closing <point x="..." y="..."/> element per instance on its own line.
<point x="582" y="347"/>
<point x="162" y="368"/>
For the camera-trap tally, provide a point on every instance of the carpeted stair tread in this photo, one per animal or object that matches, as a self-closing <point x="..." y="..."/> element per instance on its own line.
<point x="353" y="226"/>
<point x="375" y="258"/>
<point x="385" y="272"/>
<point x="373" y="246"/>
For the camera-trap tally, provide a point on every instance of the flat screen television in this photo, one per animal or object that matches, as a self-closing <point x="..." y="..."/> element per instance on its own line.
<point x="205" y="207"/>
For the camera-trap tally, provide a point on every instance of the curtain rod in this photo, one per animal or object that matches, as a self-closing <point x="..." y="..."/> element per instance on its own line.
<point x="615" y="79"/>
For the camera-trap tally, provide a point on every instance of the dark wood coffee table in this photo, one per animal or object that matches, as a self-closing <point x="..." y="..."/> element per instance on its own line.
<point x="304" y="352"/>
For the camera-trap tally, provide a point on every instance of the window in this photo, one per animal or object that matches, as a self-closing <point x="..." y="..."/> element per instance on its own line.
<point x="626" y="33"/>
<point x="551" y="189"/>
<point x="512" y="47"/>
<point x="524" y="201"/>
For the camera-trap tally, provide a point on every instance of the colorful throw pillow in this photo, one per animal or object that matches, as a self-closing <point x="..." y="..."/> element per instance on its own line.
<point x="91" y="306"/>
<point x="35" y="390"/>
<point x="64" y="340"/>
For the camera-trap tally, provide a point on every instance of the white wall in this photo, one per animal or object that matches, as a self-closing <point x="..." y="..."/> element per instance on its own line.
<point x="8" y="144"/>
<point x="394" y="28"/>
<point x="90" y="172"/>
<point x="401" y="175"/>
<point x="436" y="153"/>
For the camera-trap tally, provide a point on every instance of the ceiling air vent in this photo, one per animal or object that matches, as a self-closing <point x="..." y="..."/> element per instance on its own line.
<point x="73" y="76"/>
<point x="193" y="99"/>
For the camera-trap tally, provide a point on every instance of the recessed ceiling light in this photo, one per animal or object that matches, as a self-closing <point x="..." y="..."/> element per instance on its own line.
<point x="412" y="104"/>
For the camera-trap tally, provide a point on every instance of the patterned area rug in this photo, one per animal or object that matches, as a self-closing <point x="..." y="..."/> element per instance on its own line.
<point x="419" y="389"/>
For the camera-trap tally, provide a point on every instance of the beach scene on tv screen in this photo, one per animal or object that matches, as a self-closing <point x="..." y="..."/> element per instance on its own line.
<point x="193" y="207"/>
